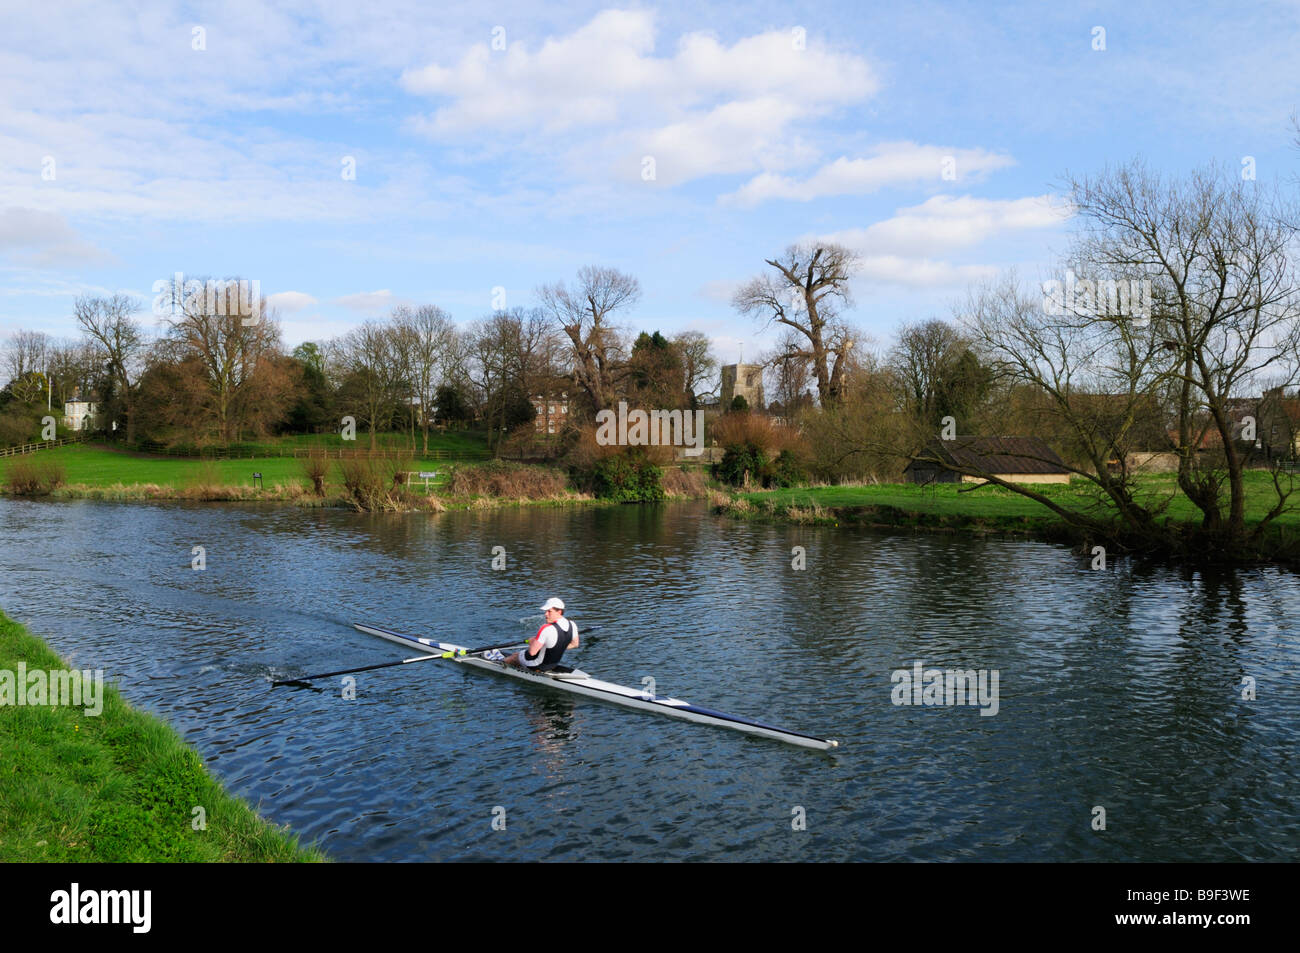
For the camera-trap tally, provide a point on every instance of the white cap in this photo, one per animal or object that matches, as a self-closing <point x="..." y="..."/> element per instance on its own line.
<point x="553" y="604"/>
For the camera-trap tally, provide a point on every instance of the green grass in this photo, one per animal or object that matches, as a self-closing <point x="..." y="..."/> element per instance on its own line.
<point x="96" y="466"/>
<point x="472" y="442"/>
<point x="121" y="786"/>
<point x="993" y="502"/>
<point x="452" y="441"/>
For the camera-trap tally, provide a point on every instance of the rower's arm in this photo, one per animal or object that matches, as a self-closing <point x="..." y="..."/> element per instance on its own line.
<point x="574" y="643"/>
<point x="535" y="645"/>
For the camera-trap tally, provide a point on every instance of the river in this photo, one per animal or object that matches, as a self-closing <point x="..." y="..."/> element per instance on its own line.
<point x="1120" y="691"/>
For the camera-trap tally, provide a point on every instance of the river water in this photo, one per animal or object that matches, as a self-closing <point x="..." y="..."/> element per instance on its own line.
<point x="1119" y="690"/>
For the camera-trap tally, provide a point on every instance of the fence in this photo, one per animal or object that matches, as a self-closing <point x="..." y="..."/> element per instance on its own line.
<point x="43" y="445"/>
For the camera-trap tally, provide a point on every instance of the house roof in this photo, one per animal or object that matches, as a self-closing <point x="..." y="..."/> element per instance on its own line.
<point x="1287" y="406"/>
<point x="993" y="455"/>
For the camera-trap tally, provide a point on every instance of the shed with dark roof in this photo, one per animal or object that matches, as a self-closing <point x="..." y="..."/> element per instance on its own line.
<point x="1014" y="459"/>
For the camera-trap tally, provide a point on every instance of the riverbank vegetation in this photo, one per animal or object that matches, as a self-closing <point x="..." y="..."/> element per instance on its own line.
<point x="120" y="786"/>
<point x="995" y="509"/>
<point x="387" y="482"/>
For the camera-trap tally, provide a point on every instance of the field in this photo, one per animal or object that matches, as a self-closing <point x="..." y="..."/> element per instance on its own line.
<point x="95" y="465"/>
<point x="993" y="502"/>
<point x="467" y="443"/>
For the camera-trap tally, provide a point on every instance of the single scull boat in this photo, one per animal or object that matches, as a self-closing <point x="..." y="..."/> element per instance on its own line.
<point x="580" y="683"/>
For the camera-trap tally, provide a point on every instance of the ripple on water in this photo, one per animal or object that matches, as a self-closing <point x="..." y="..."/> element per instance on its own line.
<point x="1119" y="689"/>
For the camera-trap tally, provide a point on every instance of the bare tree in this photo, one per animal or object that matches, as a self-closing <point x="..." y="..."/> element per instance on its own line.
<point x="120" y="342"/>
<point x="25" y="353"/>
<point x="699" y="365"/>
<point x="430" y="349"/>
<point x="864" y="437"/>
<point x="586" y="314"/>
<point x="1224" y="315"/>
<point x="790" y="373"/>
<point x="513" y="362"/>
<point x="1071" y="359"/>
<point x="404" y="341"/>
<point x="72" y="369"/>
<point x="235" y="351"/>
<point x="937" y="373"/>
<point x="810" y="288"/>
<point x="920" y="360"/>
<point x="1226" y="300"/>
<point x="540" y="354"/>
<point x="26" y="364"/>
<point x="370" y="372"/>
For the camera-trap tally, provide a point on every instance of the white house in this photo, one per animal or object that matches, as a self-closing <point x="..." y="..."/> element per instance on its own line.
<point x="79" y="414"/>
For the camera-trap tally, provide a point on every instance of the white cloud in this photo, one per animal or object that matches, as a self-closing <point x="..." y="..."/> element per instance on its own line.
<point x="704" y="108"/>
<point x="947" y="222"/>
<point x="893" y="163"/>
<point x="922" y="273"/>
<point x="369" y="302"/>
<point x="570" y="81"/>
<point x="290" y="301"/>
<point x="45" y="240"/>
<point x="606" y="69"/>
<point x="29" y="227"/>
<point x="730" y="138"/>
<point x="902" y="250"/>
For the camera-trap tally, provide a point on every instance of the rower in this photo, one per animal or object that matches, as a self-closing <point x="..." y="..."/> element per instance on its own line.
<point x="546" y="648"/>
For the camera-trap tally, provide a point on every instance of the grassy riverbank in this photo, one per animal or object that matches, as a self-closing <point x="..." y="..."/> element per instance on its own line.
<point x="120" y="786"/>
<point x="991" y="509"/>
<point x="92" y="466"/>
<point x="994" y="504"/>
<point x="93" y="472"/>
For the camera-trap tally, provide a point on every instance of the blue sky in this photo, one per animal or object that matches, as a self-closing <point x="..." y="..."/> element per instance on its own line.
<point x="505" y="146"/>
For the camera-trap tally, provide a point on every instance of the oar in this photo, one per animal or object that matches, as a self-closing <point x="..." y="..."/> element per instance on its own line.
<point x="406" y="661"/>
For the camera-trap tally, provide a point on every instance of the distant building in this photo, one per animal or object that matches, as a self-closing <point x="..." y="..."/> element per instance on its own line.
<point x="1013" y="459"/>
<point x="743" y="380"/>
<point x="1269" y="416"/>
<point x="552" y="412"/>
<point x="1278" y="427"/>
<point x="79" y="414"/>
